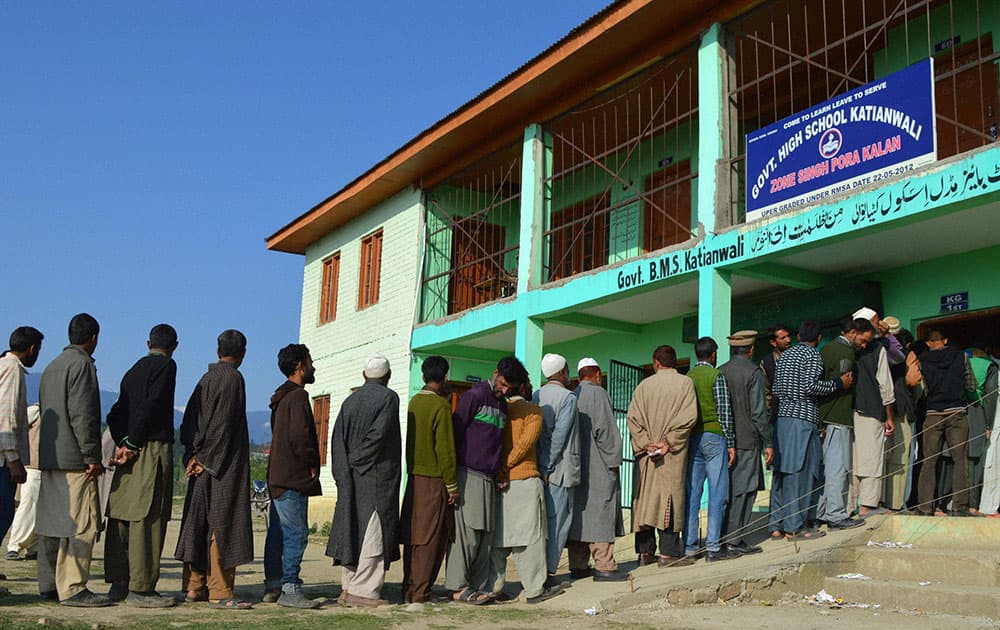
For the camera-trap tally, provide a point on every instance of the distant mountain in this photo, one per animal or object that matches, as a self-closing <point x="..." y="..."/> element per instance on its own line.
<point x="258" y="422"/>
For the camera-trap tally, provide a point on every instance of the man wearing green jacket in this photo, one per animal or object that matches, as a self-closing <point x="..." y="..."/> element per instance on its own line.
<point x="69" y="454"/>
<point x="836" y="415"/>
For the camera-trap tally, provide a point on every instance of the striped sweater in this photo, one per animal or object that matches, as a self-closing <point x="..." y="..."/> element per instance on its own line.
<point x="478" y="421"/>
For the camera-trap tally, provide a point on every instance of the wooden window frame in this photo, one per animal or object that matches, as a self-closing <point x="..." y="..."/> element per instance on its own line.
<point x="570" y="253"/>
<point x="664" y="186"/>
<point x="321" y="416"/>
<point x="329" y="289"/>
<point x="370" y="272"/>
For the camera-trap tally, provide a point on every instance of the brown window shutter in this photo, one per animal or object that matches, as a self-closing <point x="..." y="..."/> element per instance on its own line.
<point x="329" y="289"/>
<point x="321" y="416"/>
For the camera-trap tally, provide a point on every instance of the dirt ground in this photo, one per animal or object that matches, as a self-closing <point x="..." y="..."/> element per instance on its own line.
<point x="23" y="608"/>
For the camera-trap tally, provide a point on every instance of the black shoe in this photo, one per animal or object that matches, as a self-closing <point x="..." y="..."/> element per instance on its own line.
<point x="50" y="596"/>
<point x="118" y="592"/>
<point x="581" y="574"/>
<point x="744" y="549"/>
<point x="87" y="599"/>
<point x="552" y="582"/>
<point x="721" y="554"/>
<point x="151" y="599"/>
<point x="548" y="593"/>
<point x="846" y="523"/>
<point x="962" y="513"/>
<point x="610" y="576"/>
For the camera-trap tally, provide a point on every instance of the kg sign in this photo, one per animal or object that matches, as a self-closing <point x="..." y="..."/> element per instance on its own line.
<point x="872" y="133"/>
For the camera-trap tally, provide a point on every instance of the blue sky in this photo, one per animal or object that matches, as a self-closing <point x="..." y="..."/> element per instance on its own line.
<point x="147" y="149"/>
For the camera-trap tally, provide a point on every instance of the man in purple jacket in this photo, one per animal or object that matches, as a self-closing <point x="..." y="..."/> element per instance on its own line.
<point x="478" y="420"/>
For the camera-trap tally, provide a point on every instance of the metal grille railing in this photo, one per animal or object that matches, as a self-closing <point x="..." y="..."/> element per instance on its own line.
<point x="622" y="164"/>
<point x="622" y="381"/>
<point x="788" y="55"/>
<point x="472" y="235"/>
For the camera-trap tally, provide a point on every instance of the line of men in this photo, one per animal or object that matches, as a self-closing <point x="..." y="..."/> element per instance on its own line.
<point x="215" y="535"/>
<point x="509" y="473"/>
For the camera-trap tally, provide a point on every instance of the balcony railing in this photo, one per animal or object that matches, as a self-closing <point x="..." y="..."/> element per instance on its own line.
<point x="471" y="237"/>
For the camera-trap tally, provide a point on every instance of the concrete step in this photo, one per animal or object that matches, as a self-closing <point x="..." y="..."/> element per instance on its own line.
<point x="909" y="595"/>
<point x="942" y="531"/>
<point x="970" y="567"/>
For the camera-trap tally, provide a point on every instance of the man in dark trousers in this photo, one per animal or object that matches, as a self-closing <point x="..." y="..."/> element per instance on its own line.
<point x="427" y="521"/>
<point x="292" y="477"/>
<point x="752" y="430"/>
<point x="139" y="505"/>
<point x="366" y="450"/>
<point x="950" y="384"/>
<point x="215" y="535"/>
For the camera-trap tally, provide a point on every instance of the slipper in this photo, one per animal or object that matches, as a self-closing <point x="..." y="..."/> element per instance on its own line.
<point x="777" y="535"/>
<point x="809" y="534"/>
<point x="232" y="604"/>
<point x="474" y="598"/>
<point x="202" y="596"/>
<point x="872" y="512"/>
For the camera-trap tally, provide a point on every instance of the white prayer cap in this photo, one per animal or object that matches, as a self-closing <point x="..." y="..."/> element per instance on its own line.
<point x="376" y="366"/>
<point x="587" y="362"/>
<point x="552" y="364"/>
<point x="864" y="313"/>
<point x="893" y="324"/>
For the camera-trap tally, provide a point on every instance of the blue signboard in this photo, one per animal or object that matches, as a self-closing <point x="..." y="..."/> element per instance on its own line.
<point x="955" y="302"/>
<point x="872" y="133"/>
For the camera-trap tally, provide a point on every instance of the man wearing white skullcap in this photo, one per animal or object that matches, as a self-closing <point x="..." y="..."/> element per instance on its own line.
<point x="366" y="455"/>
<point x="558" y="454"/>
<point x="874" y="397"/>
<point x="597" y="514"/>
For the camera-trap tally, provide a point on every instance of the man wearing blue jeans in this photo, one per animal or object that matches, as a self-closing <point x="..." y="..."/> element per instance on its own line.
<point x="292" y="477"/>
<point x="712" y="452"/>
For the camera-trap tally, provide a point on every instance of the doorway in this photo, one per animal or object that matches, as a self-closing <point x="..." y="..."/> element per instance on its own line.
<point x="976" y="329"/>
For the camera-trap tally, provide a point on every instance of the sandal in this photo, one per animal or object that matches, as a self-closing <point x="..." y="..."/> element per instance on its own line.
<point x="232" y="604"/>
<point x="199" y="596"/>
<point x="474" y="598"/>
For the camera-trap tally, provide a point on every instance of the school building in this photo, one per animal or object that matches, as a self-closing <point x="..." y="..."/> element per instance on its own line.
<point x="668" y="170"/>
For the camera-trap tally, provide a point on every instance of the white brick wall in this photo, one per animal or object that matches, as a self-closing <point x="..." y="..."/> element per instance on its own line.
<point x="339" y="348"/>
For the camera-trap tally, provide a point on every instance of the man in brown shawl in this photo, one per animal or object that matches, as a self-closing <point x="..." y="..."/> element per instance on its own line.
<point x="215" y="535"/>
<point x="366" y="452"/>
<point x="663" y="412"/>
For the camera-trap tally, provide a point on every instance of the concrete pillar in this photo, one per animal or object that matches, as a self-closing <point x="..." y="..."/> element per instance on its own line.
<point x="528" y="340"/>
<point x="712" y="123"/>
<point x="715" y="308"/>
<point x="536" y="162"/>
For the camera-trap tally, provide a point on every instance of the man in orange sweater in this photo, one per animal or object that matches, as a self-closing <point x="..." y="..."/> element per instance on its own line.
<point x="520" y="527"/>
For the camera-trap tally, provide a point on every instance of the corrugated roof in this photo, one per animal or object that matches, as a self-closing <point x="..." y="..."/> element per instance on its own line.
<point x="561" y="71"/>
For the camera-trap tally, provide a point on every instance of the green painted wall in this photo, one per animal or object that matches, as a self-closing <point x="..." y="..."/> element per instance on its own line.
<point x="913" y="293"/>
<point x="908" y="43"/>
<point x="636" y="349"/>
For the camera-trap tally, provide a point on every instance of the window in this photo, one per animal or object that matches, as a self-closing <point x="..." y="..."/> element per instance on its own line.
<point x="371" y="267"/>
<point x="328" y="290"/>
<point x="667" y="206"/>
<point x="321" y="415"/>
<point x="579" y="238"/>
